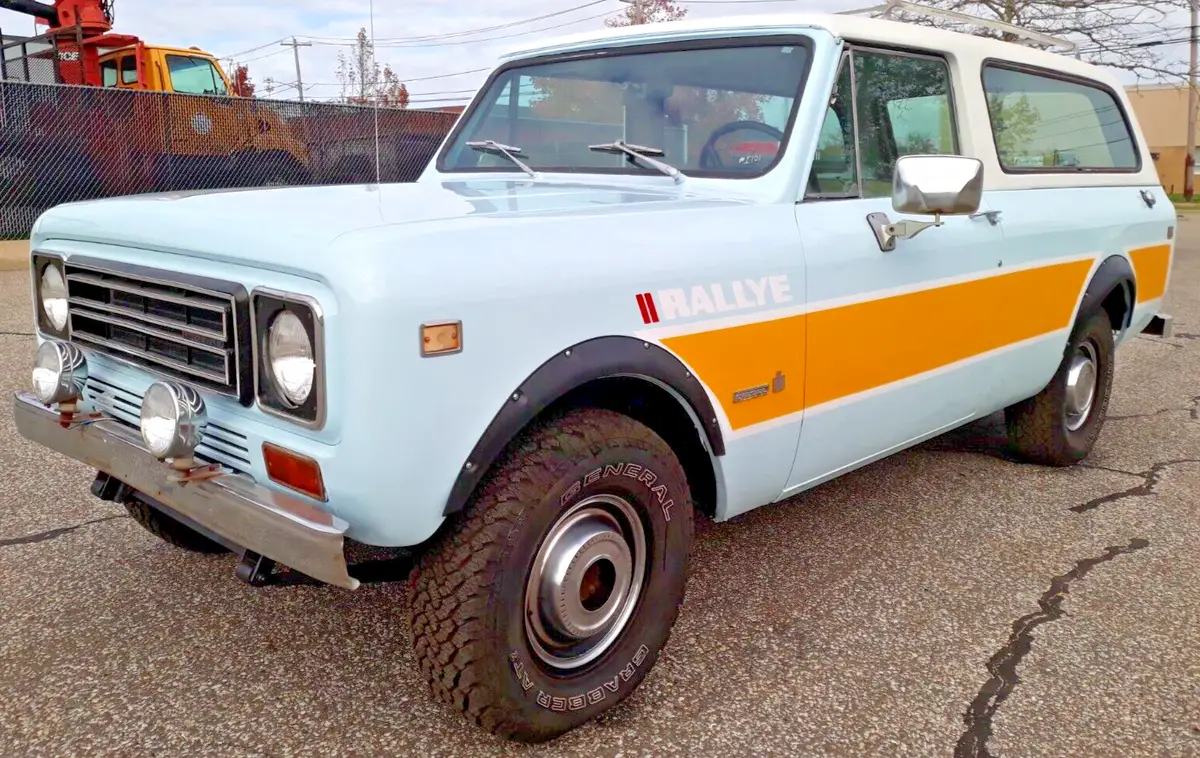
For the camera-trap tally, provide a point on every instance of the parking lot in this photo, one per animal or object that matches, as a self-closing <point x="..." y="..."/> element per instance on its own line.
<point x="944" y="602"/>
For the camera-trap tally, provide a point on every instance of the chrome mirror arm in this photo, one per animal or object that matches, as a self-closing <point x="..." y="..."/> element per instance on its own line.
<point x="887" y="233"/>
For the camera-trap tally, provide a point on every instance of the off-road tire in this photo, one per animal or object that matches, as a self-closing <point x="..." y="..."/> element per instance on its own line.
<point x="171" y="531"/>
<point x="467" y="592"/>
<point x="1037" y="427"/>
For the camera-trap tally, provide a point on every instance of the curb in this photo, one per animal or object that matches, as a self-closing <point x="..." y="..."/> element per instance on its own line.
<point x="14" y="255"/>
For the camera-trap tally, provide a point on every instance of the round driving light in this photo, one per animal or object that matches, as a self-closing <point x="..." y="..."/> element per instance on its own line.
<point x="173" y="420"/>
<point x="53" y="290"/>
<point x="290" y="352"/>
<point x="59" y="372"/>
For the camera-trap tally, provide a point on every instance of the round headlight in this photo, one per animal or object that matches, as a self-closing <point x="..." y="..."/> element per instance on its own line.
<point x="53" y="290"/>
<point x="173" y="420"/>
<point x="290" y="354"/>
<point x="59" y="372"/>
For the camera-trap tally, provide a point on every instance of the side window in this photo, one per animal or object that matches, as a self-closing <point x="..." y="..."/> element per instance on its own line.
<point x="834" y="173"/>
<point x="1045" y="123"/>
<point x="129" y="70"/>
<point x="108" y="73"/>
<point x="904" y="108"/>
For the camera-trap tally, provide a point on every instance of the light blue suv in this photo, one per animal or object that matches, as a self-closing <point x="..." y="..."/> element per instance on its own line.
<point x="701" y="266"/>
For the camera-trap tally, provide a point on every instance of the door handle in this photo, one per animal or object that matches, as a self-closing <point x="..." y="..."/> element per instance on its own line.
<point x="993" y="217"/>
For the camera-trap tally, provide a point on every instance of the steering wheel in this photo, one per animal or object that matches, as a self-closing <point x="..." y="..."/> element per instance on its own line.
<point x="711" y="160"/>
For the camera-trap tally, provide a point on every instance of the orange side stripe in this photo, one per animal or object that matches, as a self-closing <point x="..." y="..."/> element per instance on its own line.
<point x="742" y="357"/>
<point x="862" y="346"/>
<point x="1150" y="266"/>
<point x="867" y="345"/>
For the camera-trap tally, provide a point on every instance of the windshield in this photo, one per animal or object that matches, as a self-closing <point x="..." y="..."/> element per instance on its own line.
<point x="719" y="109"/>
<point x="195" y="76"/>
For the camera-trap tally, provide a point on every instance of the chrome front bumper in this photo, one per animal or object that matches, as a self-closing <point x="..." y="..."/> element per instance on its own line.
<point x="278" y="526"/>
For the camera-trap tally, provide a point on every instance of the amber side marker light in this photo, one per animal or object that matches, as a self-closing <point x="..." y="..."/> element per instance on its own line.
<point x="443" y="338"/>
<point x="294" y="471"/>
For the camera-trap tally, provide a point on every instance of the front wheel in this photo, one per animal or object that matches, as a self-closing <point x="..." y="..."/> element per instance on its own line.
<point x="1060" y="425"/>
<point x="171" y="531"/>
<point x="551" y="597"/>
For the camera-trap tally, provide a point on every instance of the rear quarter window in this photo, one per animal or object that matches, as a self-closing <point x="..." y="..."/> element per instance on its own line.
<point x="1046" y="123"/>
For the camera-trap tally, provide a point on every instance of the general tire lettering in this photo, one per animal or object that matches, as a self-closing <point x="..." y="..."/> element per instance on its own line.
<point x="467" y="590"/>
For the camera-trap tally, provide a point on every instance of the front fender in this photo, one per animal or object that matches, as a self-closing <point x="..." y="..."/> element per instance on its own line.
<point x="599" y="358"/>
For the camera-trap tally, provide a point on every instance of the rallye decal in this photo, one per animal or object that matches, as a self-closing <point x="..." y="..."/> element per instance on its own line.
<point x="835" y="350"/>
<point x="713" y="299"/>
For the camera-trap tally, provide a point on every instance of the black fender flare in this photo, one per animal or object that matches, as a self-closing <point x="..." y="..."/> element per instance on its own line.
<point x="1114" y="272"/>
<point x="569" y="369"/>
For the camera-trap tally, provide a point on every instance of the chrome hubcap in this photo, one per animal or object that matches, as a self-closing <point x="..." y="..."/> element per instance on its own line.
<point x="1081" y="386"/>
<point x="586" y="580"/>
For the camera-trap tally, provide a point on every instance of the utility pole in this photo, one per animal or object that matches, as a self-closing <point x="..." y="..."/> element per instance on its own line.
<point x="296" y="52"/>
<point x="1189" y="180"/>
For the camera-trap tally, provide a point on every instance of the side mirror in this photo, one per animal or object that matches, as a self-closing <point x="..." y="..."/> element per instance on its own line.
<point x="937" y="185"/>
<point x="929" y="185"/>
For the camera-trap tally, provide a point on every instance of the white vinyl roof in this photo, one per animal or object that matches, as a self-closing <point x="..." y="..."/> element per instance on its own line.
<point x="853" y="28"/>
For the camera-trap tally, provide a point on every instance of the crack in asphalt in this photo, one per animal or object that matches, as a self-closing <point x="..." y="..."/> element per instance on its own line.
<point x="1003" y="665"/>
<point x="1160" y="342"/>
<point x="1150" y="480"/>
<point x="54" y="534"/>
<point x="1193" y="410"/>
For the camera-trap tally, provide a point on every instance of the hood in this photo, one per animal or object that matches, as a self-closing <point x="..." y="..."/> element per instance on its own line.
<point x="286" y="228"/>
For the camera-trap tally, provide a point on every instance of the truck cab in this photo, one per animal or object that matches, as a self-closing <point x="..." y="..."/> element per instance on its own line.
<point x="155" y="68"/>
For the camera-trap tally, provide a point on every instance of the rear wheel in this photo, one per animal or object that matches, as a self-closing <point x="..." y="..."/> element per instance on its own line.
<point x="1060" y="425"/>
<point x="551" y="597"/>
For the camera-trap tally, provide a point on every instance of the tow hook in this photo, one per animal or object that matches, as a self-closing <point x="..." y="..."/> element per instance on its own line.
<point x="255" y="570"/>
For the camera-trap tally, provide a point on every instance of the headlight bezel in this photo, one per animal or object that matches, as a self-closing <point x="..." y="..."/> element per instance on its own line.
<point x="265" y="305"/>
<point x="39" y="263"/>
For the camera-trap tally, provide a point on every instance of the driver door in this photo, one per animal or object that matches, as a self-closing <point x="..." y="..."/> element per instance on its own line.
<point x="893" y="337"/>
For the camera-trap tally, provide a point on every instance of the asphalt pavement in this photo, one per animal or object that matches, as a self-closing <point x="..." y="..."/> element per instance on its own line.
<point x="947" y="601"/>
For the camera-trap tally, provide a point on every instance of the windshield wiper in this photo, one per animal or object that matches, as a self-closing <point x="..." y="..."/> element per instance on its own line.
<point x="641" y="153"/>
<point x="493" y="147"/>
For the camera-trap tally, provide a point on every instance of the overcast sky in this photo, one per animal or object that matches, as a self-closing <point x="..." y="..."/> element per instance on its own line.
<point x="250" y="30"/>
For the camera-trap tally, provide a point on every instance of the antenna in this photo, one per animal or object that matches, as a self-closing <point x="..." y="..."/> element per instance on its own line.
<point x="375" y="92"/>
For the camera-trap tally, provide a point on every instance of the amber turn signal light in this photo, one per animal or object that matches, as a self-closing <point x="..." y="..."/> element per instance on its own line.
<point x="441" y="339"/>
<point x="294" y="471"/>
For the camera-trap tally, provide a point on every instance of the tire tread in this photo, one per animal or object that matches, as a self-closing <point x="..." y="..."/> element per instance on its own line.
<point x="450" y="585"/>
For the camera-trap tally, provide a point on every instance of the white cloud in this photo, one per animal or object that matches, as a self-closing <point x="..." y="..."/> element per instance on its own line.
<point x="231" y="27"/>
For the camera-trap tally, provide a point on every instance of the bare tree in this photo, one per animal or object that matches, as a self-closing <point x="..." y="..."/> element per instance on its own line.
<point x="638" y="12"/>
<point x="364" y="82"/>
<point x="1129" y="34"/>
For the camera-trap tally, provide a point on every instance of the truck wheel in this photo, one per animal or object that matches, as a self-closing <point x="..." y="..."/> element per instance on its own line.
<point x="169" y="530"/>
<point x="1060" y="425"/>
<point x="551" y="597"/>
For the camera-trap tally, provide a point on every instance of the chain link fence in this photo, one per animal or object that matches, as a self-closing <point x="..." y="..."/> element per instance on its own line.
<point x="64" y="143"/>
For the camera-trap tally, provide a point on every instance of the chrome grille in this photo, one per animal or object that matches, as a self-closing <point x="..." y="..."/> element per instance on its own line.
<point x="219" y="444"/>
<point x="182" y="331"/>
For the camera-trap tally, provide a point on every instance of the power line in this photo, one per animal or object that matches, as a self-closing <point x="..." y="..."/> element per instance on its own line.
<point x="481" y="30"/>
<point x="254" y="49"/>
<point x="481" y="39"/>
<point x="296" y="52"/>
<point x="260" y="57"/>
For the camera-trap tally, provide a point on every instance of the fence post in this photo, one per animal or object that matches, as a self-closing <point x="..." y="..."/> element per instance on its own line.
<point x="168" y="155"/>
